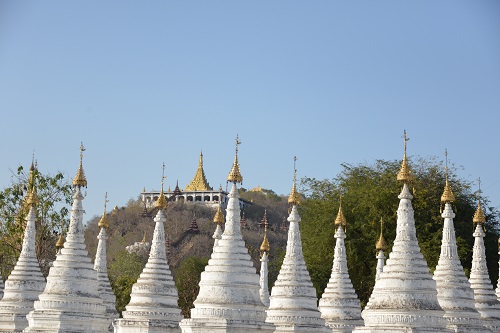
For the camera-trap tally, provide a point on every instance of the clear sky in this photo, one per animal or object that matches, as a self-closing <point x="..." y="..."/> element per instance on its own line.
<point x="146" y="82"/>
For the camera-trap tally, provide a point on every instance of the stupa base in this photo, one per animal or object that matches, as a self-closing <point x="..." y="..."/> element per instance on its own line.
<point x="145" y="326"/>
<point x="216" y="325"/>
<point x="11" y="322"/>
<point x="45" y="321"/>
<point x="342" y="327"/>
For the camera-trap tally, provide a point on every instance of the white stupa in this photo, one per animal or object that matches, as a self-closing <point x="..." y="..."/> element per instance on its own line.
<point x="71" y="300"/>
<point x="404" y="298"/>
<point x="454" y="292"/>
<point x="100" y="265"/>
<point x="339" y="305"/>
<point x="293" y="304"/>
<point x="497" y="291"/>
<point x="153" y="303"/>
<point x="265" y="247"/>
<point x="229" y="299"/>
<point x="26" y="281"/>
<point x="381" y="247"/>
<point x="1" y="287"/>
<point x="484" y="295"/>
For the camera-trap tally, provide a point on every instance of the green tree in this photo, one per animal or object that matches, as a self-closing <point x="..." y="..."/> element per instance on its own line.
<point x="187" y="279"/>
<point x="54" y="193"/>
<point x="369" y="194"/>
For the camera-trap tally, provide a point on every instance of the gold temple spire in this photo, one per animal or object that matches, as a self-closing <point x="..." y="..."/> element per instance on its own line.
<point x="199" y="181"/>
<point x="161" y="203"/>
<point x="219" y="216"/>
<point x="32" y="196"/>
<point x="235" y="174"/>
<point x="293" y="199"/>
<point x="103" y="222"/>
<point x="60" y="242"/>
<point x="265" y="246"/>
<point x="381" y="244"/>
<point x="340" y="220"/>
<point x="448" y="195"/>
<point x="405" y="174"/>
<point x="80" y="180"/>
<point x="479" y="214"/>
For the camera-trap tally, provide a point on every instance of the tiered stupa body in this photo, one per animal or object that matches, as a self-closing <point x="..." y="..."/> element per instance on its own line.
<point x="26" y="282"/>
<point x="71" y="300"/>
<point x="100" y="265"/>
<point x="293" y="304"/>
<point x="229" y="299"/>
<point x="484" y="295"/>
<point x="404" y="298"/>
<point x="2" y="286"/>
<point x="153" y="303"/>
<point x="339" y="304"/>
<point x="454" y="292"/>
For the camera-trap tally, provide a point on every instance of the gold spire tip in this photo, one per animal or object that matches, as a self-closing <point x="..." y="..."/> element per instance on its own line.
<point x="32" y="196"/>
<point x="381" y="244"/>
<point x="447" y="195"/>
<point x="293" y="199"/>
<point x="479" y="214"/>
<point x="405" y="174"/>
<point x="60" y="242"/>
<point x="265" y="246"/>
<point x="235" y="173"/>
<point x="103" y="222"/>
<point x="161" y="203"/>
<point x="340" y="220"/>
<point x="80" y="180"/>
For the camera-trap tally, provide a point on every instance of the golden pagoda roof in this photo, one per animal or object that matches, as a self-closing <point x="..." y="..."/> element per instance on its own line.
<point x="80" y="180"/>
<point x="103" y="222"/>
<point x="405" y="174"/>
<point x="293" y="198"/>
<point x="199" y="181"/>
<point x="60" y="242"/>
<point x="219" y="216"/>
<point x="235" y="173"/>
<point x="381" y="244"/>
<point x="479" y="214"/>
<point x="340" y="220"/>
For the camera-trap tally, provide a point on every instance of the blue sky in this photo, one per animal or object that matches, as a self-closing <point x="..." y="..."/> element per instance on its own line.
<point x="141" y="83"/>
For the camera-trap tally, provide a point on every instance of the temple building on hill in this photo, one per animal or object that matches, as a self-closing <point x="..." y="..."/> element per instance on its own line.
<point x="197" y="191"/>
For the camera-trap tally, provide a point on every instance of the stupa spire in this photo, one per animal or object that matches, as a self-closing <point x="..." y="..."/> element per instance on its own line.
<point x="235" y="174"/>
<point x="161" y="203"/>
<point x="339" y="304"/>
<point x="218" y="220"/>
<point x="153" y="301"/>
<point x="484" y="296"/>
<point x="100" y="265"/>
<point x="381" y="247"/>
<point x="229" y="299"/>
<point x="199" y="181"/>
<point x="454" y="292"/>
<point x="404" y="297"/>
<point x="26" y="282"/>
<point x="264" y="272"/>
<point x="293" y="198"/>
<point x="71" y="300"/>
<point x="293" y="303"/>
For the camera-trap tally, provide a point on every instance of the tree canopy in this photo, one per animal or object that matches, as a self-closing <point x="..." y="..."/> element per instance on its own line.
<point x="369" y="193"/>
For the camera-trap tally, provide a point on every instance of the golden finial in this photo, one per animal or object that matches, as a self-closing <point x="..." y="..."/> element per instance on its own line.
<point x="80" y="180"/>
<point x="499" y="245"/>
<point x="381" y="243"/>
<point x="32" y="197"/>
<point x="161" y="203"/>
<point x="479" y="214"/>
<point x="144" y="238"/>
<point x="60" y="242"/>
<point x="405" y="174"/>
<point x="235" y="174"/>
<point x="265" y="247"/>
<point x="293" y="199"/>
<point x="448" y="195"/>
<point x="103" y="222"/>
<point x="219" y="216"/>
<point x="340" y="220"/>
